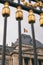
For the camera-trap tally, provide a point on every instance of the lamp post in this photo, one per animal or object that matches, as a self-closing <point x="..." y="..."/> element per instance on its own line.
<point x="41" y="19"/>
<point x="5" y="13"/>
<point x="41" y="15"/>
<point x="31" y="20"/>
<point x="19" y="17"/>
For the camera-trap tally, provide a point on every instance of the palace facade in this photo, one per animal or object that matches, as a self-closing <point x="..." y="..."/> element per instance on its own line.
<point x="12" y="52"/>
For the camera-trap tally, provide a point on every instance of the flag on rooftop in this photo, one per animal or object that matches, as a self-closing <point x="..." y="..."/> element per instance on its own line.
<point x="25" y="30"/>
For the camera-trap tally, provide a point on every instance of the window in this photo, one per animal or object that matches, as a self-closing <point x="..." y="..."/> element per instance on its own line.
<point x="40" y="62"/>
<point x="32" y="61"/>
<point x="26" y="61"/>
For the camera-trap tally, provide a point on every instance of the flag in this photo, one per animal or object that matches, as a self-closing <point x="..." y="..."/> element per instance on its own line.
<point x="25" y="30"/>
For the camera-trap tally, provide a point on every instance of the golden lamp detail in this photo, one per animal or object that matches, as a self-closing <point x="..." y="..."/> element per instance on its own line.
<point x="6" y="9"/>
<point x="19" y="13"/>
<point x="40" y="4"/>
<point x="35" y="5"/>
<point x="41" y="19"/>
<point x="31" y="17"/>
<point x="22" y="0"/>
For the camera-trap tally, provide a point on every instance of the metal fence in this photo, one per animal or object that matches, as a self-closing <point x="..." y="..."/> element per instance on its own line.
<point x="29" y="7"/>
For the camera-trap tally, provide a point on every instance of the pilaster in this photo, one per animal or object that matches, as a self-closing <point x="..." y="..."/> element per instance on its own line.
<point x="30" y="62"/>
<point x="23" y="62"/>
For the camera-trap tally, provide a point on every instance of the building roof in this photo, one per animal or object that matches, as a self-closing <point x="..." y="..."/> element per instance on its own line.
<point x="8" y="49"/>
<point x="26" y="39"/>
<point x="38" y="0"/>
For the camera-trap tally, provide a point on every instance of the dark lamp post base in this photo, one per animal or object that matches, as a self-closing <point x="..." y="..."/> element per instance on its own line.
<point x="19" y="18"/>
<point x="6" y="15"/>
<point x="32" y="21"/>
<point x="41" y="25"/>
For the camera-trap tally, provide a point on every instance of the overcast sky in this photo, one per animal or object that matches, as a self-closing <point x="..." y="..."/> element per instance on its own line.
<point x="12" y="26"/>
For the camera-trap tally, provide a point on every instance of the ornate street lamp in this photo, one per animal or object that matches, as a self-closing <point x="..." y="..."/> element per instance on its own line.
<point x="31" y="20"/>
<point x="31" y="17"/>
<point x="41" y="19"/>
<point x="19" y="17"/>
<point x="5" y="13"/>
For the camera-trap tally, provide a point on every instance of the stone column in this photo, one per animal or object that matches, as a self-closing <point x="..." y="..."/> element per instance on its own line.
<point x="11" y="61"/>
<point x="23" y="62"/>
<point x="15" y="60"/>
<point x="30" y="62"/>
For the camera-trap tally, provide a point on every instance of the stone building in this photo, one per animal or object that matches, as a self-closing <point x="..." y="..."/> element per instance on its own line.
<point x="12" y="53"/>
